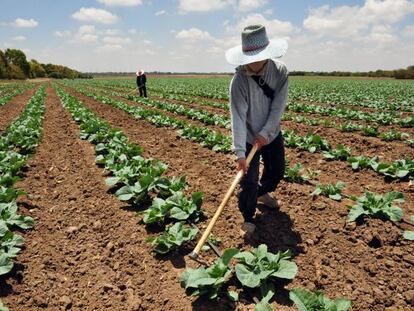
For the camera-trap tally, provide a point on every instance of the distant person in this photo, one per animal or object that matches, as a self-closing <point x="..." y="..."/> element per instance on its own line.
<point x="258" y="94"/>
<point x="141" y="80"/>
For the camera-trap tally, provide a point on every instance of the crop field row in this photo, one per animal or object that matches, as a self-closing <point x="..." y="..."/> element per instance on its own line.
<point x="401" y="168"/>
<point x="388" y="126"/>
<point x="120" y="187"/>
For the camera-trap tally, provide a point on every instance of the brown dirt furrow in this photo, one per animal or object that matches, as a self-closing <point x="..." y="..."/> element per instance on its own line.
<point x="11" y="110"/>
<point x="86" y="251"/>
<point x="368" y="263"/>
<point x="195" y="105"/>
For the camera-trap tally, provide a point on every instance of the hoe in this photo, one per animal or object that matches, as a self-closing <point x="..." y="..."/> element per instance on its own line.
<point x="202" y="241"/>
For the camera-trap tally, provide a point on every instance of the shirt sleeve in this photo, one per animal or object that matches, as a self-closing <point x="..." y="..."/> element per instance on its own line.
<point x="238" y="108"/>
<point x="277" y="108"/>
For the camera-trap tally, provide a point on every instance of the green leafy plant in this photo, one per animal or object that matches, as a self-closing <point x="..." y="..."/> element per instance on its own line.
<point x="295" y="174"/>
<point x="313" y="143"/>
<point x="361" y="162"/>
<point x="209" y="281"/>
<point x="340" y="153"/>
<point x="332" y="191"/>
<point x="349" y="127"/>
<point x="374" y="205"/>
<point x="172" y="238"/>
<point x="409" y="235"/>
<point x="260" y="268"/>
<point x="317" y="301"/>
<point x="8" y="213"/>
<point x="176" y="207"/>
<point x="393" y="135"/>
<point x="370" y="131"/>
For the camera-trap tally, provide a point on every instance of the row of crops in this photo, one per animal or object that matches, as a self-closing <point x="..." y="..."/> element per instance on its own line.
<point x="399" y="169"/>
<point x="377" y="94"/>
<point x="385" y="125"/>
<point x="17" y="143"/>
<point x="164" y="203"/>
<point x="10" y="90"/>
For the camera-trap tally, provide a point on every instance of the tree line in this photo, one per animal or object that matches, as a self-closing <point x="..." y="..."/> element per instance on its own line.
<point x="407" y="73"/>
<point x="14" y="65"/>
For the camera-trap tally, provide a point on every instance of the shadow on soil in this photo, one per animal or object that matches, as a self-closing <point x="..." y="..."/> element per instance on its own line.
<point x="275" y="229"/>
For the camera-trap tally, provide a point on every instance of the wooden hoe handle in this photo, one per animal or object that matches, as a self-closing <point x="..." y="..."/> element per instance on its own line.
<point x="202" y="241"/>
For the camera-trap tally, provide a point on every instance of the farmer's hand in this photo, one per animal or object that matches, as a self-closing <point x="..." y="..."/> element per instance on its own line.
<point x="260" y="141"/>
<point x="242" y="165"/>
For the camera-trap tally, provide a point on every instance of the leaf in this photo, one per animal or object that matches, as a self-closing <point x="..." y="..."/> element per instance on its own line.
<point x="247" y="277"/>
<point x="228" y="254"/>
<point x="125" y="193"/>
<point x="395" y="213"/>
<point x="6" y="264"/>
<point x="355" y="212"/>
<point x="263" y="306"/>
<point x="234" y="296"/>
<point x="112" y="181"/>
<point x="342" y="304"/>
<point x="287" y="270"/>
<point x="408" y="235"/>
<point x="311" y="301"/>
<point x="336" y="197"/>
<point x="197" y="198"/>
<point x="245" y="257"/>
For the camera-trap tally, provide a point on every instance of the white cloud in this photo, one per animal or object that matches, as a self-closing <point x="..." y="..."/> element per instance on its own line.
<point x="85" y="34"/>
<point x="193" y="34"/>
<point x="116" y="40"/>
<point x="344" y="21"/>
<point x="160" y="13"/>
<point x="62" y="34"/>
<point x="112" y="32"/>
<point x="24" y="23"/>
<point x="274" y="27"/>
<point x="95" y="15"/>
<point x="203" y="6"/>
<point x="108" y="48"/>
<point x="120" y="2"/>
<point x="381" y="34"/>
<point x="248" y="5"/>
<point x="19" y="38"/>
<point x="132" y="31"/>
<point x="408" y="31"/>
<point x="268" y="12"/>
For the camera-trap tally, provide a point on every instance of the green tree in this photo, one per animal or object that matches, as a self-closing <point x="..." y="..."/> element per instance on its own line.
<point x="36" y="69"/>
<point x="3" y="65"/>
<point x="18" y="58"/>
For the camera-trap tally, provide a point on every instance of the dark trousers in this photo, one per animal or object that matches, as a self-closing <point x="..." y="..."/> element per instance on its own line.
<point x="142" y="90"/>
<point x="273" y="156"/>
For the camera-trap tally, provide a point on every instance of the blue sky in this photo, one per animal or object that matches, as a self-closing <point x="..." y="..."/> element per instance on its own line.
<point x="193" y="35"/>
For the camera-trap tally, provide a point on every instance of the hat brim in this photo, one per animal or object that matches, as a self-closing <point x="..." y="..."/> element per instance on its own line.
<point x="275" y="49"/>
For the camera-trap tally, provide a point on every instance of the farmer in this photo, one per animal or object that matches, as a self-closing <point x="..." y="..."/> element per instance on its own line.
<point x="141" y="80"/>
<point x="258" y="94"/>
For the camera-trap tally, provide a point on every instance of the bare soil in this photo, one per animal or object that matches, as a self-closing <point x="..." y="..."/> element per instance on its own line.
<point x="11" y="110"/>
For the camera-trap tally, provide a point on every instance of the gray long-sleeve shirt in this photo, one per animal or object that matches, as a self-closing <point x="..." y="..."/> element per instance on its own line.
<point x="252" y="112"/>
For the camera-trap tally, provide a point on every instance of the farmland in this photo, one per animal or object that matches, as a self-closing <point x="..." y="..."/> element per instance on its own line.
<point x="112" y="191"/>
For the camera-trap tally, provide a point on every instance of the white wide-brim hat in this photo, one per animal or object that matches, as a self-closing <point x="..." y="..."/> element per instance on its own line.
<point x="255" y="47"/>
